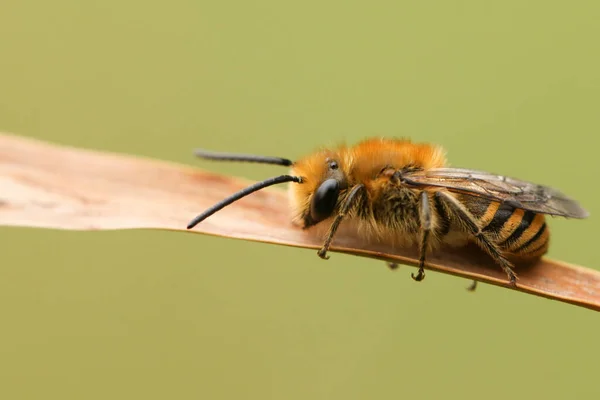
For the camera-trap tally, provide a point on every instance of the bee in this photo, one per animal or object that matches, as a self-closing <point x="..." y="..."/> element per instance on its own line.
<point x="394" y="190"/>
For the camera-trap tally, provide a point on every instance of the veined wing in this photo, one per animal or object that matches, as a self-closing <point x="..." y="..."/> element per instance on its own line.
<point x="515" y="192"/>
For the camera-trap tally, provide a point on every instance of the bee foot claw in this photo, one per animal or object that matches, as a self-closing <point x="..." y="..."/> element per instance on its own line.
<point x="419" y="277"/>
<point x="323" y="254"/>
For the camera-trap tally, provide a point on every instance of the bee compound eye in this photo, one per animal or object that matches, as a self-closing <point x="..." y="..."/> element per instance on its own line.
<point x="324" y="200"/>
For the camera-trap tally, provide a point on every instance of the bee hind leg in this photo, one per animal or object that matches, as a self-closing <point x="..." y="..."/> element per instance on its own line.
<point x="425" y="219"/>
<point x="470" y="224"/>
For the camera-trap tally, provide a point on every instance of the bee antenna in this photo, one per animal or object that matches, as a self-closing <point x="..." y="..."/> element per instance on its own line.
<point x="242" y="193"/>
<point x="210" y="155"/>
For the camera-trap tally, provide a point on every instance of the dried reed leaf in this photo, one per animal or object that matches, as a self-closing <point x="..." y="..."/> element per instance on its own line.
<point x="49" y="186"/>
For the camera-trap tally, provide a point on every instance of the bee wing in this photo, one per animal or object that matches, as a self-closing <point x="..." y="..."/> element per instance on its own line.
<point x="518" y="193"/>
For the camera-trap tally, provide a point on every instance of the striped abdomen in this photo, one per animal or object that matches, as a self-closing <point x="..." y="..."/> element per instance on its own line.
<point x="517" y="232"/>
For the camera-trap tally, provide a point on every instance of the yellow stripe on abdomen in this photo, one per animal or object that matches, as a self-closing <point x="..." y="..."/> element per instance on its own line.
<point x="529" y="231"/>
<point x="514" y="230"/>
<point x="489" y="213"/>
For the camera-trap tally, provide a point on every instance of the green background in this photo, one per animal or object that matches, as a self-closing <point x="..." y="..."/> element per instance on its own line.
<point x="512" y="87"/>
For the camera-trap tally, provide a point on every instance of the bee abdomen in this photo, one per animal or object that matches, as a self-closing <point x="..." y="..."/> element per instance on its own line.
<point x="516" y="231"/>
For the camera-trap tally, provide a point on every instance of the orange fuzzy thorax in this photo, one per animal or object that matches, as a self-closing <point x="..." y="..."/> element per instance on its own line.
<point x="361" y="163"/>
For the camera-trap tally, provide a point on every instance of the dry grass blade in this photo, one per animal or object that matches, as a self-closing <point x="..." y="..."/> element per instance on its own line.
<point x="48" y="186"/>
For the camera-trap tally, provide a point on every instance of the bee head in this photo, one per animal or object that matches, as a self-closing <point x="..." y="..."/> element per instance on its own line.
<point x="323" y="179"/>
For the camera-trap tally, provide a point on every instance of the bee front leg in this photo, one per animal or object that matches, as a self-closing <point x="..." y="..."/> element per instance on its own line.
<point x="425" y="220"/>
<point x="346" y="206"/>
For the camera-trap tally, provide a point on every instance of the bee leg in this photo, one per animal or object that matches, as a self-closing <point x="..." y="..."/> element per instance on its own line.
<point x="425" y="219"/>
<point x="472" y="286"/>
<point x="348" y="203"/>
<point x="392" y="265"/>
<point x="470" y="224"/>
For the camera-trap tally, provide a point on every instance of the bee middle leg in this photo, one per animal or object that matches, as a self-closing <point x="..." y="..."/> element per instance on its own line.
<point x="470" y="224"/>
<point x="425" y="223"/>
